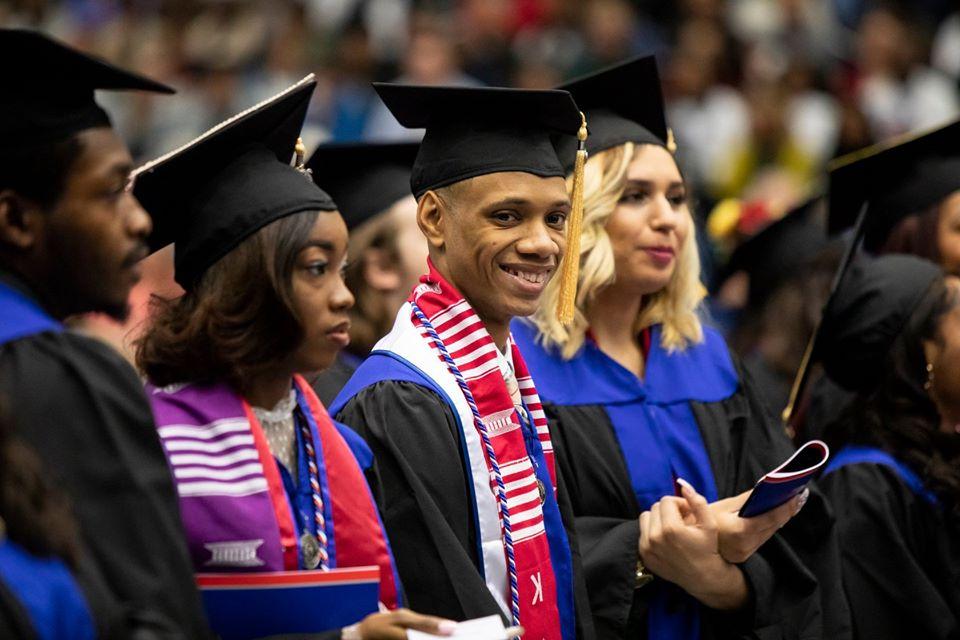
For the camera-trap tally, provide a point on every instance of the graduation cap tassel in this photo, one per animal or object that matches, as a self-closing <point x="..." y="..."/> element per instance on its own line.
<point x="570" y="268"/>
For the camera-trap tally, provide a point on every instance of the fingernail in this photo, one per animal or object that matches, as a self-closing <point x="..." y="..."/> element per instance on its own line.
<point x="802" y="500"/>
<point x="684" y="483"/>
<point x="447" y="627"/>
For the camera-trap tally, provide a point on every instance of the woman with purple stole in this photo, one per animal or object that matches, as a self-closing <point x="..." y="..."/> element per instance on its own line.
<point x="267" y="482"/>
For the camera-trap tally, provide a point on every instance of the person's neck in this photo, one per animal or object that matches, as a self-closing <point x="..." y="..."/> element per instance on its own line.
<point x="612" y="316"/>
<point x="267" y="389"/>
<point x="499" y="332"/>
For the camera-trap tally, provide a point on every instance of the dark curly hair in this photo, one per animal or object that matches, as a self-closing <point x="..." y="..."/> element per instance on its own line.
<point x="37" y="517"/>
<point x="898" y="415"/>
<point x="238" y="320"/>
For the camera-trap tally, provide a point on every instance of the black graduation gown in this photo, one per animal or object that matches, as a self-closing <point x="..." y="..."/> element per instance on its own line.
<point x="14" y="622"/>
<point x="422" y="487"/>
<point x="81" y="407"/>
<point x="794" y="579"/>
<point x="328" y="383"/>
<point x="901" y="556"/>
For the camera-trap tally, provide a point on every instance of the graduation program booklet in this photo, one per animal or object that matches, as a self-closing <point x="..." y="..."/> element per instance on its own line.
<point x="787" y="480"/>
<point x="243" y="606"/>
<point x="487" y="628"/>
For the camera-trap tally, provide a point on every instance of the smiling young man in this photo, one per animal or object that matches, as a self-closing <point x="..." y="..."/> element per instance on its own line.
<point x="71" y="235"/>
<point x="464" y="463"/>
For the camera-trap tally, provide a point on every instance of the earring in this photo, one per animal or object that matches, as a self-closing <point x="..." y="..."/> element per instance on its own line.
<point x="929" y="383"/>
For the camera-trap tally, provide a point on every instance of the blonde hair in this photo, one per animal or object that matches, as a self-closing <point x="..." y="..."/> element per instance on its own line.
<point x="675" y="306"/>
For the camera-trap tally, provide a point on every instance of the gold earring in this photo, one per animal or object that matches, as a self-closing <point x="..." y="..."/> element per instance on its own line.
<point x="929" y="383"/>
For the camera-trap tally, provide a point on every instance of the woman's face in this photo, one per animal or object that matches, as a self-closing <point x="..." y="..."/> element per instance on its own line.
<point x="948" y="233"/>
<point x="651" y="222"/>
<point x="944" y="354"/>
<point x="321" y="299"/>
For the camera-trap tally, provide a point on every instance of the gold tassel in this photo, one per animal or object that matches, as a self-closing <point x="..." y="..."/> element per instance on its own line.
<point x="570" y="267"/>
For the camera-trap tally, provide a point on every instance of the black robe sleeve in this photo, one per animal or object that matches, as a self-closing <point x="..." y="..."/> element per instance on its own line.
<point x="81" y="407"/>
<point x="420" y="484"/>
<point x="606" y="517"/>
<point x="901" y="557"/>
<point x="787" y="597"/>
<point x="795" y="577"/>
<point x="423" y="491"/>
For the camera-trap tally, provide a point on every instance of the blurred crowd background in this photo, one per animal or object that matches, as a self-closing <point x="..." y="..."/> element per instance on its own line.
<point x="761" y="94"/>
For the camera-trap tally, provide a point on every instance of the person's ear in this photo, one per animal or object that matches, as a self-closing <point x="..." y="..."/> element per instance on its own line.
<point x="379" y="271"/>
<point x="21" y="221"/>
<point x="431" y="218"/>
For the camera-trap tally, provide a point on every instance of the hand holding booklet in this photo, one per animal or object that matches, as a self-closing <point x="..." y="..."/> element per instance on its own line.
<point x="787" y="480"/>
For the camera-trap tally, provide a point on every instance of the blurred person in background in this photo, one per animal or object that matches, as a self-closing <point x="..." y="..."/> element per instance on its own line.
<point x="432" y="58"/>
<point x="895" y="87"/>
<point x="892" y="337"/>
<point x="387" y="253"/>
<point x="39" y="552"/>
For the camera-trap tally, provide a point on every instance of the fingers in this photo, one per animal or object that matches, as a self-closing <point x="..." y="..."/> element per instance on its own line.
<point x="644" y="534"/>
<point x="656" y="524"/>
<point x="735" y="503"/>
<point x="513" y="632"/>
<point x="698" y="504"/>
<point x="670" y="517"/>
<point x="776" y="518"/>
<point x="428" y="624"/>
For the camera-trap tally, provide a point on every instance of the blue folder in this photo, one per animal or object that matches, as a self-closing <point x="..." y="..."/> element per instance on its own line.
<point x="244" y="606"/>
<point x="787" y="480"/>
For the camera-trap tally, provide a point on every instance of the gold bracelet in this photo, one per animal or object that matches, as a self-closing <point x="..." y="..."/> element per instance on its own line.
<point x="643" y="577"/>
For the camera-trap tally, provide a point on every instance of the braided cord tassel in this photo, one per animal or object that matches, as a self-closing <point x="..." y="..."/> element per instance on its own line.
<point x="570" y="267"/>
<point x="491" y="455"/>
<point x="317" y="497"/>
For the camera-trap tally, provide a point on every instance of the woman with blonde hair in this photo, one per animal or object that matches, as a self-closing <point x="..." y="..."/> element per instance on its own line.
<point x="659" y="434"/>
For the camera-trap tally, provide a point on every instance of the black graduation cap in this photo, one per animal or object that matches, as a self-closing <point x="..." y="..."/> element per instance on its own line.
<point x="780" y="249"/>
<point x="898" y="177"/>
<point x="212" y="193"/>
<point x="472" y="131"/>
<point x="623" y="103"/>
<point x="48" y="89"/>
<point x="364" y="178"/>
<point x="871" y="190"/>
<point x="868" y="311"/>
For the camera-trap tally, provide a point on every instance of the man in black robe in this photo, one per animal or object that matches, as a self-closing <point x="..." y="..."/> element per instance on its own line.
<point x="493" y="205"/>
<point x="71" y="235"/>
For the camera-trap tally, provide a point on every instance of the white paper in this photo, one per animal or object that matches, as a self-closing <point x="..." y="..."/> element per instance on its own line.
<point x="488" y="628"/>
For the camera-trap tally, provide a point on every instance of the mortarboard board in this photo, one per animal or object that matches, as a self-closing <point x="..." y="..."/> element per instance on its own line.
<point x="363" y="178"/>
<point x="48" y="89"/>
<point x="473" y="131"/>
<point x="623" y="103"/>
<point x="212" y="193"/>
<point x="899" y="177"/>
